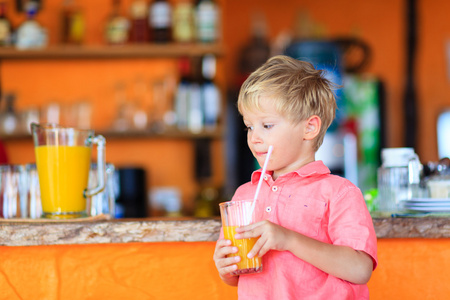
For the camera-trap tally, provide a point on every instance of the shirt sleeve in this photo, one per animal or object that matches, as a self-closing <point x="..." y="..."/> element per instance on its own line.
<point x="350" y="223"/>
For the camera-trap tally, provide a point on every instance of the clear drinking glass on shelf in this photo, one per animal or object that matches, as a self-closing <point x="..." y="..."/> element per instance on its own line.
<point x="33" y="193"/>
<point x="11" y="191"/>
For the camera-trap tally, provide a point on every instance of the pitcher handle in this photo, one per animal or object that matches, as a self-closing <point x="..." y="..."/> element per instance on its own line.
<point x="99" y="140"/>
<point x="414" y="169"/>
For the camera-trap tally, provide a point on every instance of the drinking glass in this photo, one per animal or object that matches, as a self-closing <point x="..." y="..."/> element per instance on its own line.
<point x="11" y="186"/>
<point x="235" y="214"/>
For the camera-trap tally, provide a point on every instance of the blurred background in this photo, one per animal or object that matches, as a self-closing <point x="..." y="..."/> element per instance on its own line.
<point x="160" y="80"/>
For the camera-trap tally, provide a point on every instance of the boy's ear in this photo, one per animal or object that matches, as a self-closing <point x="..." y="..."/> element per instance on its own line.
<point x="312" y="127"/>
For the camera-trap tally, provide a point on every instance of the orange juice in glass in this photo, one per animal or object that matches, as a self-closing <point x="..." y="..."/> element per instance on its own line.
<point x="63" y="159"/>
<point x="235" y="214"/>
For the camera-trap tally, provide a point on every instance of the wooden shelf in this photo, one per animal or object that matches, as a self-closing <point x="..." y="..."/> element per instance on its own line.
<point x="119" y="51"/>
<point x="170" y="134"/>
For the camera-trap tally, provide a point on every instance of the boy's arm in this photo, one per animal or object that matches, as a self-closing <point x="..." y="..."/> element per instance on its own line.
<point x="340" y="261"/>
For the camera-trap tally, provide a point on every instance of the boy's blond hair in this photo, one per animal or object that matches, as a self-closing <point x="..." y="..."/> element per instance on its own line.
<point x="297" y="88"/>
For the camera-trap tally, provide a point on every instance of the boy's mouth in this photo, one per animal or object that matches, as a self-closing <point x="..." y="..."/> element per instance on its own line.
<point x="259" y="154"/>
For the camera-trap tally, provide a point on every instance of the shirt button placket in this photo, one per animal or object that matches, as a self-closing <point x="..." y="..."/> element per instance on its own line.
<point x="269" y="208"/>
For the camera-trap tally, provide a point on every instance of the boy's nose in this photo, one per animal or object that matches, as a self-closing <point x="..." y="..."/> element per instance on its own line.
<point x="254" y="137"/>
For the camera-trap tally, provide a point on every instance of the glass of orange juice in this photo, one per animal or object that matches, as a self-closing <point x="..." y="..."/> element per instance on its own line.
<point x="235" y="214"/>
<point x="63" y="159"/>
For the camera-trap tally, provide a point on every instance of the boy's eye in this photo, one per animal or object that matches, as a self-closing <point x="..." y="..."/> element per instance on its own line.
<point x="268" y="126"/>
<point x="247" y="128"/>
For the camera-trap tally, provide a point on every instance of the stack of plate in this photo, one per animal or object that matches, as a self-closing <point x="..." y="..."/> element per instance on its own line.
<point x="428" y="204"/>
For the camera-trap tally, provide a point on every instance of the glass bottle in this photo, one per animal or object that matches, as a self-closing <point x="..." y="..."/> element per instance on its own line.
<point x="8" y="118"/>
<point x="117" y="26"/>
<point x="210" y="93"/>
<point x="183" y="22"/>
<point x="139" y="32"/>
<point x="160" y="21"/>
<point x="73" y="24"/>
<point x="257" y="50"/>
<point x="207" y="15"/>
<point x="182" y="94"/>
<point x="30" y="33"/>
<point x="206" y="202"/>
<point x="5" y="26"/>
<point x="195" y="107"/>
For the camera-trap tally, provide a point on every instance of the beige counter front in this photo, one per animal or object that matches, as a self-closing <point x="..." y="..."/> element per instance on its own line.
<point x="172" y="259"/>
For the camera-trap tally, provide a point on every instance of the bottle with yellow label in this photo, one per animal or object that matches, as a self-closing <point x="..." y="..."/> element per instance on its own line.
<point x="183" y="22"/>
<point x="73" y="25"/>
<point x="117" y="26"/>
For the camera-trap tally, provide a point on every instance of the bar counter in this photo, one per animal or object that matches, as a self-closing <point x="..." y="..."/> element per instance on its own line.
<point x="98" y="231"/>
<point x="173" y="259"/>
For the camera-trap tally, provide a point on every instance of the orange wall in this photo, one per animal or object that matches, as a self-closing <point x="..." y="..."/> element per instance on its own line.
<point x="408" y="269"/>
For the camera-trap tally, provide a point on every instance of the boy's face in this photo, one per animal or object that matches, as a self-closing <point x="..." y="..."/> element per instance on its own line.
<point x="291" y="146"/>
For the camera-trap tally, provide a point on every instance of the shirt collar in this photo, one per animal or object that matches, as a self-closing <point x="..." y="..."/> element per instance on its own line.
<point x="314" y="168"/>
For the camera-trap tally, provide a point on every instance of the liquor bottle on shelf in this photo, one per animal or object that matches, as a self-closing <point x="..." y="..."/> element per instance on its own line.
<point x="160" y="21"/>
<point x="207" y="20"/>
<point x="73" y="24"/>
<point x="181" y="104"/>
<point x="195" y="107"/>
<point x="183" y="22"/>
<point x="117" y="26"/>
<point x="9" y="118"/>
<point x="257" y="49"/>
<point x="206" y="202"/>
<point x="5" y="26"/>
<point x="30" y="33"/>
<point x="139" y="32"/>
<point x="210" y="93"/>
<point x="20" y="5"/>
<point x="197" y="99"/>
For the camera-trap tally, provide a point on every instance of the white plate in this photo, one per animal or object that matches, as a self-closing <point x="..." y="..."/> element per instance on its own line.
<point x="429" y="208"/>
<point x="427" y="204"/>
<point x="427" y="200"/>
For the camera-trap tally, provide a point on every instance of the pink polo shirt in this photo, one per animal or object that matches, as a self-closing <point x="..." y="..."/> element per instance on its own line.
<point x="317" y="204"/>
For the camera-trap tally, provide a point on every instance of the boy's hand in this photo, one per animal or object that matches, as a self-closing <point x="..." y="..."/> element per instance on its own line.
<point x="225" y="265"/>
<point x="272" y="237"/>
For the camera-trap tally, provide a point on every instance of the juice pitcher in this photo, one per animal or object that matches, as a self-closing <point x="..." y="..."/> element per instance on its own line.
<point x="63" y="159"/>
<point x="398" y="178"/>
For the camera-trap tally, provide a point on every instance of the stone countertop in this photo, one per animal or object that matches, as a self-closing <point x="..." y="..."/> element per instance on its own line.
<point x="16" y="233"/>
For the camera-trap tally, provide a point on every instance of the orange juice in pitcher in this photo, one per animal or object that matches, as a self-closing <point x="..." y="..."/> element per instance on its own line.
<point x="63" y="171"/>
<point x="63" y="159"/>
